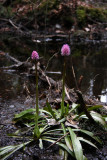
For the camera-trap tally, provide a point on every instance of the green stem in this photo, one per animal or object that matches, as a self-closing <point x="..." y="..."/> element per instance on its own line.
<point x="37" y="108"/>
<point x="36" y="129"/>
<point x="63" y="89"/>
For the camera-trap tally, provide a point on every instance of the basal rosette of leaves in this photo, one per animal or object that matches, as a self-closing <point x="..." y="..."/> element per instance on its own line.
<point x="62" y="135"/>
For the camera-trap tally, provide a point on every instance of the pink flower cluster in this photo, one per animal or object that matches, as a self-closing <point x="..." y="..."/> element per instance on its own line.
<point x="65" y="50"/>
<point x="35" y="55"/>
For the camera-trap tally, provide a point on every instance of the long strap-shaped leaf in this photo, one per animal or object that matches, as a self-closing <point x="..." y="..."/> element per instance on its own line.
<point x="67" y="139"/>
<point x="89" y="134"/>
<point x="86" y="141"/>
<point x="76" y="145"/>
<point x="5" y="152"/>
<point x="51" y="111"/>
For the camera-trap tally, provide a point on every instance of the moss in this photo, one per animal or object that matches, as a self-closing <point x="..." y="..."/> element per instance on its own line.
<point x="90" y="15"/>
<point x="96" y="14"/>
<point x="49" y="5"/>
<point x="81" y="17"/>
<point x="6" y="11"/>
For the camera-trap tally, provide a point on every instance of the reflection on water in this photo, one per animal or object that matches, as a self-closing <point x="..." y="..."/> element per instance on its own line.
<point x="88" y="60"/>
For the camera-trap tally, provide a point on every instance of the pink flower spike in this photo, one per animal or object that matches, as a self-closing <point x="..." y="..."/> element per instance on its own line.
<point x="35" y="55"/>
<point x="65" y="50"/>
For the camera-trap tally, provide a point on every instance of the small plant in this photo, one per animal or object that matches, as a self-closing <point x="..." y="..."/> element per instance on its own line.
<point x="65" y="51"/>
<point x="35" y="57"/>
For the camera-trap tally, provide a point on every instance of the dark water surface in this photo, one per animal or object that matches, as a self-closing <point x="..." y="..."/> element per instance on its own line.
<point x="89" y="60"/>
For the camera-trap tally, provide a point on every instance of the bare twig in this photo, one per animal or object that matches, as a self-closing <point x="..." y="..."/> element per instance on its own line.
<point x="66" y="92"/>
<point x="74" y="76"/>
<point x="49" y="61"/>
<point x="80" y="82"/>
<point x="14" y="25"/>
<point x="12" y="58"/>
<point x="58" y="140"/>
<point x="45" y="76"/>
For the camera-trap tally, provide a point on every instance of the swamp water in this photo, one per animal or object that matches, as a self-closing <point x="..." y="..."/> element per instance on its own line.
<point x="89" y="60"/>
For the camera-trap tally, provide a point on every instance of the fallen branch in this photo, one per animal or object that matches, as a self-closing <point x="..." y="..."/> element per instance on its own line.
<point x="80" y="98"/>
<point x="83" y="106"/>
<point x="12" y="58"/>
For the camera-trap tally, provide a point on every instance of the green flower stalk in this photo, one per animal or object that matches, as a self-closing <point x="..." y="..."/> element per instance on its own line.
<point x="37" y="107"/>
<point x="35" y="57"/>
<point x="65" y="51"/>
<point x="63" y="88"/>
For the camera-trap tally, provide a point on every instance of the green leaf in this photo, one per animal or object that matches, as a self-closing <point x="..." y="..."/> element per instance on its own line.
<point x="57" y="112"/>
<point x="40" y="143"/>
<point x="50" y="110"/>
<point x="67" y="139"/>
<point x="98" y="118"/>
<point x="76" y="145"/>
<point x="88" y="142"/>
<point x="24" y="112"/>
<point x="42" y="129"/>
<point x="45" y="111"/>
<point x="82" y="114"/>
<point x="91" y="135"/>
<point x="105" y="117"/>
<point x="67" y="109"/>
<point x="5" y="152"/>
<point x="6" y="149"/>
<point x="62" y="120"/>
<point x="74" y="107"/>
<point x="94" y="107"/>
